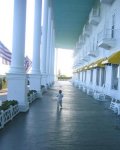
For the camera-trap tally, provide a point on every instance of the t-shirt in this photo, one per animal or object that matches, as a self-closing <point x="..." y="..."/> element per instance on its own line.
<point x="60" y="96"/>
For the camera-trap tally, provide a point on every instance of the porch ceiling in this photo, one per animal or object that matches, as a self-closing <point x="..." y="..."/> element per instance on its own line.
<point x="69" y="18"/>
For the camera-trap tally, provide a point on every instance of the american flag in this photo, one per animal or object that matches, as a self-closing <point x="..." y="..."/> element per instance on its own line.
<point x="5" y="53"/>
<point x="27" y="63"/>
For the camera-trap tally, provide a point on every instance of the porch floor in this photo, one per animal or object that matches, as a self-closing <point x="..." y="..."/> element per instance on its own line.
<point x="83" y="124"/>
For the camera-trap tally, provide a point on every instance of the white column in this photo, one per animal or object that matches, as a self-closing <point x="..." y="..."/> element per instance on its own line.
<point x="55" y="64"/>
<point x="48" y="46"/>
<point x="52" y="53"/>
<point x="50" y="57"/>
<point x="43" y="43"/>
<point x="53" y="56"/>
<point x="35" y="77"/>
<point x="17" y="80"/>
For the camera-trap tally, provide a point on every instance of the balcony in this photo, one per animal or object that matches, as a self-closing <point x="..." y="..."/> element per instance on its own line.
<point x="85" y="58"/>
<point x="107" y="1"/>
<point x="81" y="40"/>
<point x="78" y="46"/>
<point x="94" y="17"/>
<point x="106" y="38"/>
<point x="92" y="53"/>
<point x="87" y="30"/>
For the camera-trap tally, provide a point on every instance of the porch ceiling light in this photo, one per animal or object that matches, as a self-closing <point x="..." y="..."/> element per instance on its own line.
<point x="113" y="59"/>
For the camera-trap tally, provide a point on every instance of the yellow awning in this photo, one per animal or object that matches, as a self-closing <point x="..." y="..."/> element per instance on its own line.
<point x="78" y="70"/>
<point x="86" y="67"/>
<point x="113" y="59"/>
<point x="83" y="68"/>
<point x="98" y="63"/>
<point x="91" y="66"/>
<point x="74" y="70"/>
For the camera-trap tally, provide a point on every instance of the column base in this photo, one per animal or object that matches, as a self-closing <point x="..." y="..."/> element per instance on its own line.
<point x="24" y="108"/>
<point x="39" y="95"/>
<point x="17" y="90"/>
<point x="51" y="79"/>
<point x="35" y="83"/>
<point x="47" y="81"/>
<point x="44" y="80"/>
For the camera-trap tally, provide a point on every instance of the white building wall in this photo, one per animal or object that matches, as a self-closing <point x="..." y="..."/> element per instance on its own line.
<point x="106" y="13"/>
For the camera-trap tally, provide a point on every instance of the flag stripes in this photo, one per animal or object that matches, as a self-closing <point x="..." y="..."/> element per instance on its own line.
<point x="6" y="55"/>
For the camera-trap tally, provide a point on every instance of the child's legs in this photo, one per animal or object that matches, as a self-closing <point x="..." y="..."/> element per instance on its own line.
<point x="57" y="103"/>
<point x="60" y="102"/>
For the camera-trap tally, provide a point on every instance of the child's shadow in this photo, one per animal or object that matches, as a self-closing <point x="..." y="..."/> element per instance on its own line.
<point x="59" y="110"/>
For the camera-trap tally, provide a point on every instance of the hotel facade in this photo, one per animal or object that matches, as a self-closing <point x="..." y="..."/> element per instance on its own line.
<point x="96" y="67"/>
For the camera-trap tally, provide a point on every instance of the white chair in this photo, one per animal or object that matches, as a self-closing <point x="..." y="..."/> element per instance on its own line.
<point x="117" y="107"/>
<point x="99" y="95"/>
<point x="112" y="104"/>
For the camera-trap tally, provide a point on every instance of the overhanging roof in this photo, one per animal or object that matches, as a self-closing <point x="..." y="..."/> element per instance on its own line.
<point x="69" y="18"/>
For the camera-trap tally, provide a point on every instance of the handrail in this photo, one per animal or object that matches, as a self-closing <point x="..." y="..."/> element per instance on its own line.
<point x="108" y="33"/>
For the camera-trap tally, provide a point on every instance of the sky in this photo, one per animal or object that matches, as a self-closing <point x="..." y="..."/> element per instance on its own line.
<point x="65" y="62"/>
<point x="6" y="26"/>
<point x="6" y="19"/>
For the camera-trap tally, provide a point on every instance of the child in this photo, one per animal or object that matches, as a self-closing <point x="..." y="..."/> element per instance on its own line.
<point x="59" y="100"/>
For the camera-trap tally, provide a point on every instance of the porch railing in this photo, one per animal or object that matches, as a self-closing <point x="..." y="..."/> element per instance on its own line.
<point x="7" y="115"/>
<point x="108" y="34"/>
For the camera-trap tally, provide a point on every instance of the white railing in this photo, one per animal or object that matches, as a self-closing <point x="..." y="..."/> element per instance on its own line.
<point x="87" y="30"/>
<point x="81" y="40"/>
<point x="7" y="115"/>
<point x="109" y="34"/>
<point x="92" y="53"/>
<point x="107" y="1"/>
<point x="94" y="13"/>
<point x="32" y="97"/>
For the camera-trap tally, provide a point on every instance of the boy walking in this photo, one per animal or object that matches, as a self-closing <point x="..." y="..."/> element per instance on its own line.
<point x="59" y="100"/>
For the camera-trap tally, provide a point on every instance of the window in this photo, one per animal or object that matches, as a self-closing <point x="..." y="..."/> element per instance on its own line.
<point x="114" y="77"/>
<point x="103" y="76"/>
<point x="91" y="76"/>
<point x="85" y="76"/>
<point x="113" y="26"/>
<point x="97" y="76"/>
<point x="3" y="61"/>
<point x="6" y="62"/>
<point x="82" y="76"/>
<point x="77" y="76"/>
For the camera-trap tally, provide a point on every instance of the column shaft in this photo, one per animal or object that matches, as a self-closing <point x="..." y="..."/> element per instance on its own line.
<point x="35" y="77"/>
<point x="18" y="43"/>
<point x="43" y="43"/>
<point x="17" y="81"/>
<point x="48" y="45"/>
<point x="37" y="37"/>
<point x="51" y="52"/>
<point x="53" y="56"/>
